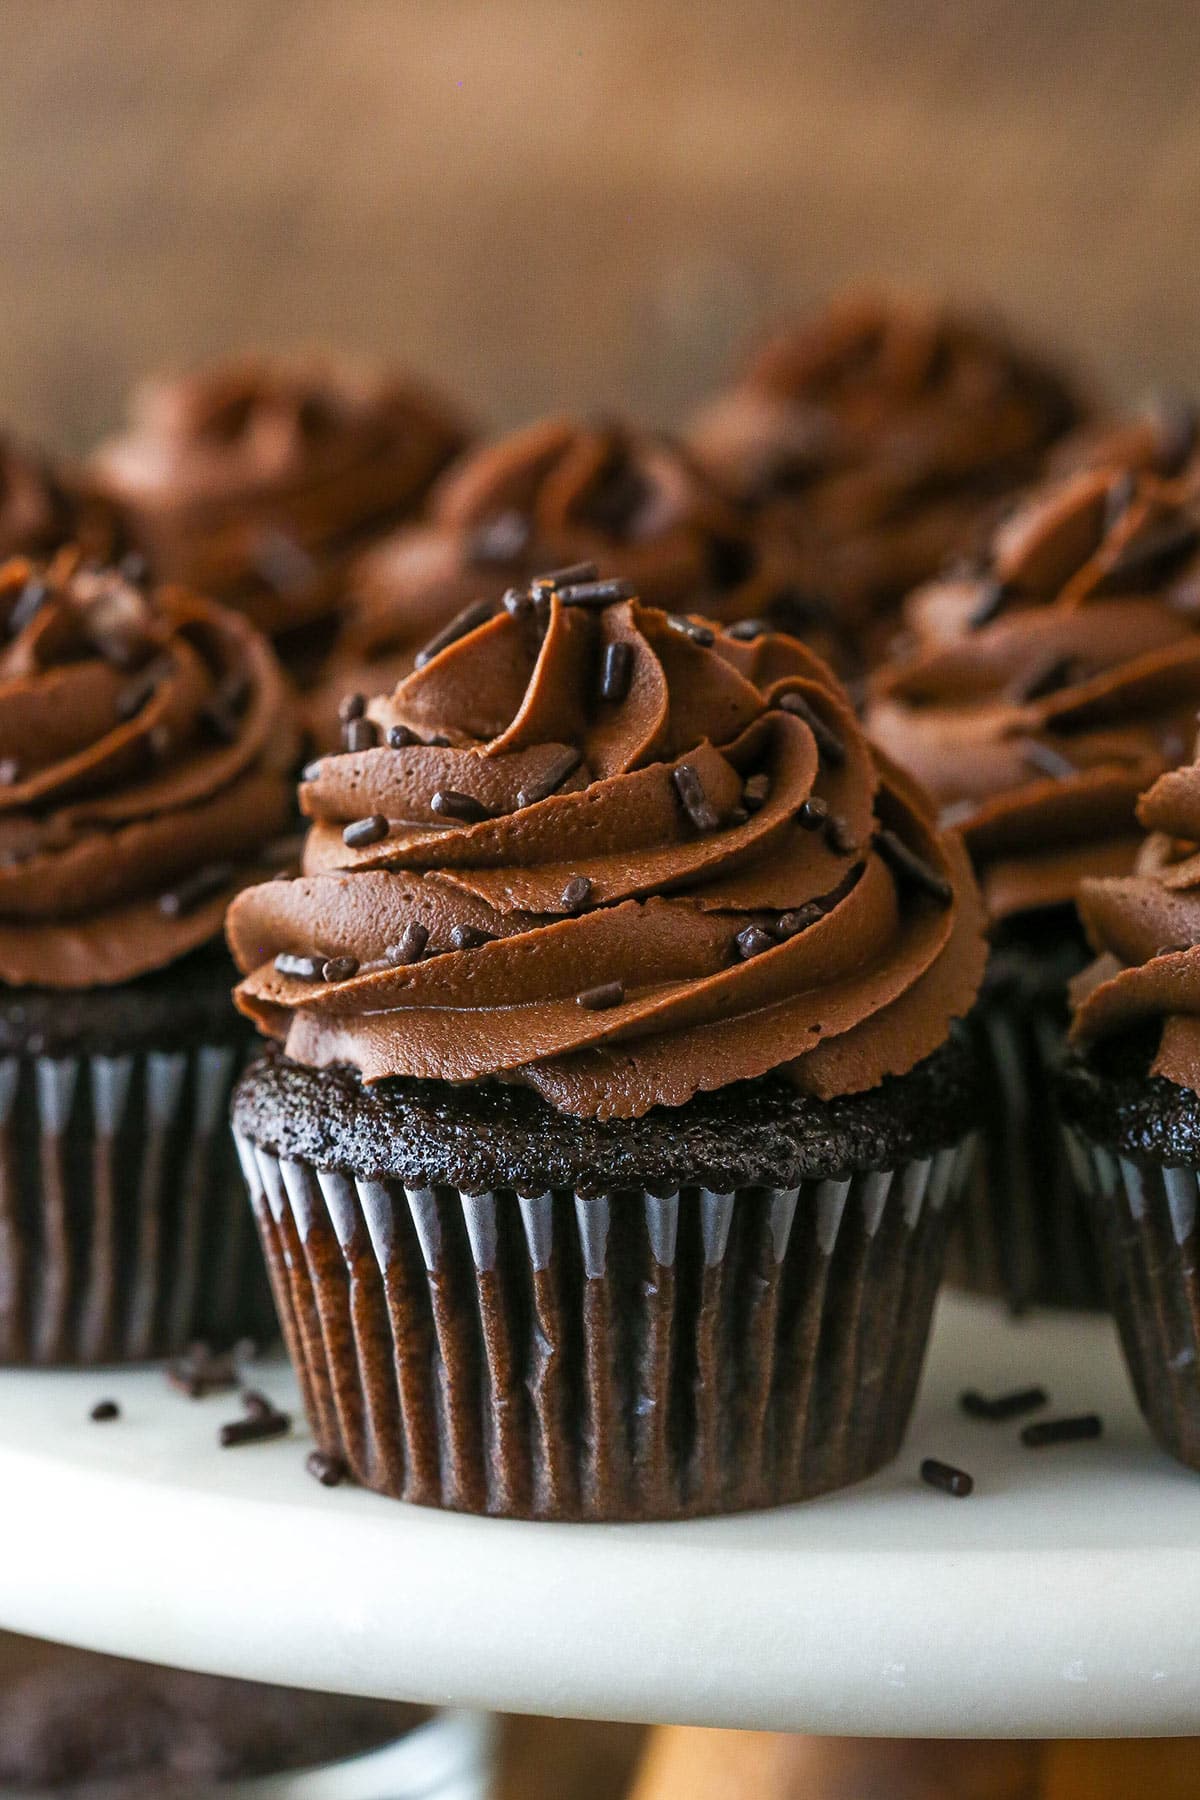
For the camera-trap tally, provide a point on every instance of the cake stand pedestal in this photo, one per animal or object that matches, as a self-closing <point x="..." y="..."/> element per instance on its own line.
<point x="1061" y="1600"/>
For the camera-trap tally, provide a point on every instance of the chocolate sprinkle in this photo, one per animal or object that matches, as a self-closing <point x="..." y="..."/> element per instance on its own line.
<point x="756" y="792"/>
<point x="360" y="734"/>
<point x="103" y="1411"/>
<point x="599" y="999"/>
<point x="996" y="1409"/>
<point x="837" y="836"/>
<point x="946" y="1477"/>
<point x="202" y="1372"/>
<point x="1047" y="760"/>
<point x="411" y="945"/>
<point x="29" y="603"/>
<point x="256" y="1405"/>
<point x="753" y="941"/>
<point x="399" y="737"/>
<point x="300" y="968"/>
<point x="813" y="814"/>
<point x="516" y="601"/>
<point x="1061" y="1431"/>
<point x="255" y="1430"/>
<point x="596" y="593"/>
<point x="563" y="765"/>
<point x="340" y="968"/>
<point x="353" y="706"/>
<point x="134" y="695"/>
<point x="696" y="803"/>
<point x="365" y="831"/>
<point x="330" y="1471"/>
<point x="993" y="598"/>
<point x="572" y="574"/>
<point x="703" y="635"/>
<point x="205" y="884"/>
<point x="468" y="937"/>
<point x="906" y="863"/>
<point x="576" y="894"/>
<point x="618" y="668"/>
<point x="830" y="747"/>
<point x="468" y="620"/>
<point x="798" y="919"/>
<point x="746" y="630"/>
<point x="312" y="771"/>
<point x="1050" y="679"/>
<point x="448" y="803"/>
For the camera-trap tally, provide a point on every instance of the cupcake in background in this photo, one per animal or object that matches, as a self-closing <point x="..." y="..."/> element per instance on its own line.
<point x="1040" y="693"/>
<point x="146" y="741"/>
<point x="552" y="493"/>
<point x="880" y="433"/>
<point x="1131" y="1095"/>
<point x="606" y="1165"/>
<point x="255" y="479"/>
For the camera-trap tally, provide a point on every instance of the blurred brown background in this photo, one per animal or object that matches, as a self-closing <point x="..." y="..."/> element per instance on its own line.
<point x="571" y="203"/>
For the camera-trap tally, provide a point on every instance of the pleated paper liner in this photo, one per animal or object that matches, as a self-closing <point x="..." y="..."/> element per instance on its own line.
<point x="1145" y="1217"/>
<point x="122" y="1229"/>
<point x="1025" y="1229"/>
<point x="631" y="1357"/>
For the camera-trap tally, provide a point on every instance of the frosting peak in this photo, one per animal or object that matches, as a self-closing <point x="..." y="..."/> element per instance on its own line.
<point x="243" y="478"/>
<point x="607" y="851"/>
<point x="1145" y="928"/>
<point x="878" y="431"/>
<point x="144" y="748"/>
<point x="1042" y="690"/>
<point x="559" y="491"/>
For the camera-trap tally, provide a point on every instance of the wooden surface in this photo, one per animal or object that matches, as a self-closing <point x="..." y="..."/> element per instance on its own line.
<point x="556" y="204"/>
<point x="736" y="1765"/>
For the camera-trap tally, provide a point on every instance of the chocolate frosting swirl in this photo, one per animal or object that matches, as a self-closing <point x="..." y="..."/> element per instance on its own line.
<point x="556" y="492"/>
<point x="1145" y="928"/>
<point x="144" y="749"/>
<point x="1048" y="688"/>
<point x="880" y="431"/>
<point x="619" y="900"/>
<point x="245" y="479"/>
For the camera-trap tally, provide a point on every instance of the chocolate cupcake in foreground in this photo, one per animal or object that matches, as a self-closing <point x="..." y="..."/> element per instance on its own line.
<point x="556" y="492"/>
<point x="101" y="1728"/>
<point x="1131" y="1095"/>
<point x="1041" y="694"/>
<point x="255" y="480"/>
<point x="145" y="743"/>
<point x="606" y="1170"/>
<point x="880" y="433"/>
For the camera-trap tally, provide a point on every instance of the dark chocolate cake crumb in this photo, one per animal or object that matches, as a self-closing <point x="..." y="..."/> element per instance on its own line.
<point x="104" y="1411"/>
<point x="998" y="1408"/>
<point x="255" y="1429"/>
<point x="330" y="1471"/>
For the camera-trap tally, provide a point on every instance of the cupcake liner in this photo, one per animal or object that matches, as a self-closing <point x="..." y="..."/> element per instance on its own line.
<point x="121" y="1219"/>
<point x="1145" y="1226"/>
<point x="1026" y="1230"/>
<point x="632" y="1356"/>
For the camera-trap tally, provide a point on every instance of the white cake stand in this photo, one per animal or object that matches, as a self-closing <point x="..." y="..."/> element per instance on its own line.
<point x="1062" y="1599"/>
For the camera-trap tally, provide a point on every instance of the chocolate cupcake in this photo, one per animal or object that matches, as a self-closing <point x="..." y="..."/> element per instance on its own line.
<point x="254" y="480"/>
<point x="879" y="433"/>
<point x="552" y="493"/>
<point x="606" y="1168"/>
<point x="1041" y="693"/>
<point x="145" y="743"/>
<point x="102" y="1728"/>
<point x="1131" y="1094"/>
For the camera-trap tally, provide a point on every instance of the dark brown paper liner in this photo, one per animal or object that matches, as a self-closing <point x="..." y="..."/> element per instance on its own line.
<point x="1144" y="1216"/>
<point x="122" y="1235"/>
<point x="1025" y="1230"/>
<point x="629" y="1357"/>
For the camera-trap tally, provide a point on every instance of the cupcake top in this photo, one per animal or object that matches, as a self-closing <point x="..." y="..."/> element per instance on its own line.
<point x="243" y="478"/>
<point x="557" y="491"/>
<point x="1145" y="929"/>
<point x="603" y="850"/>
<point x="145" y="744"/>
<point x="877" y="429"/>
<point x="1046" y="688"/>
